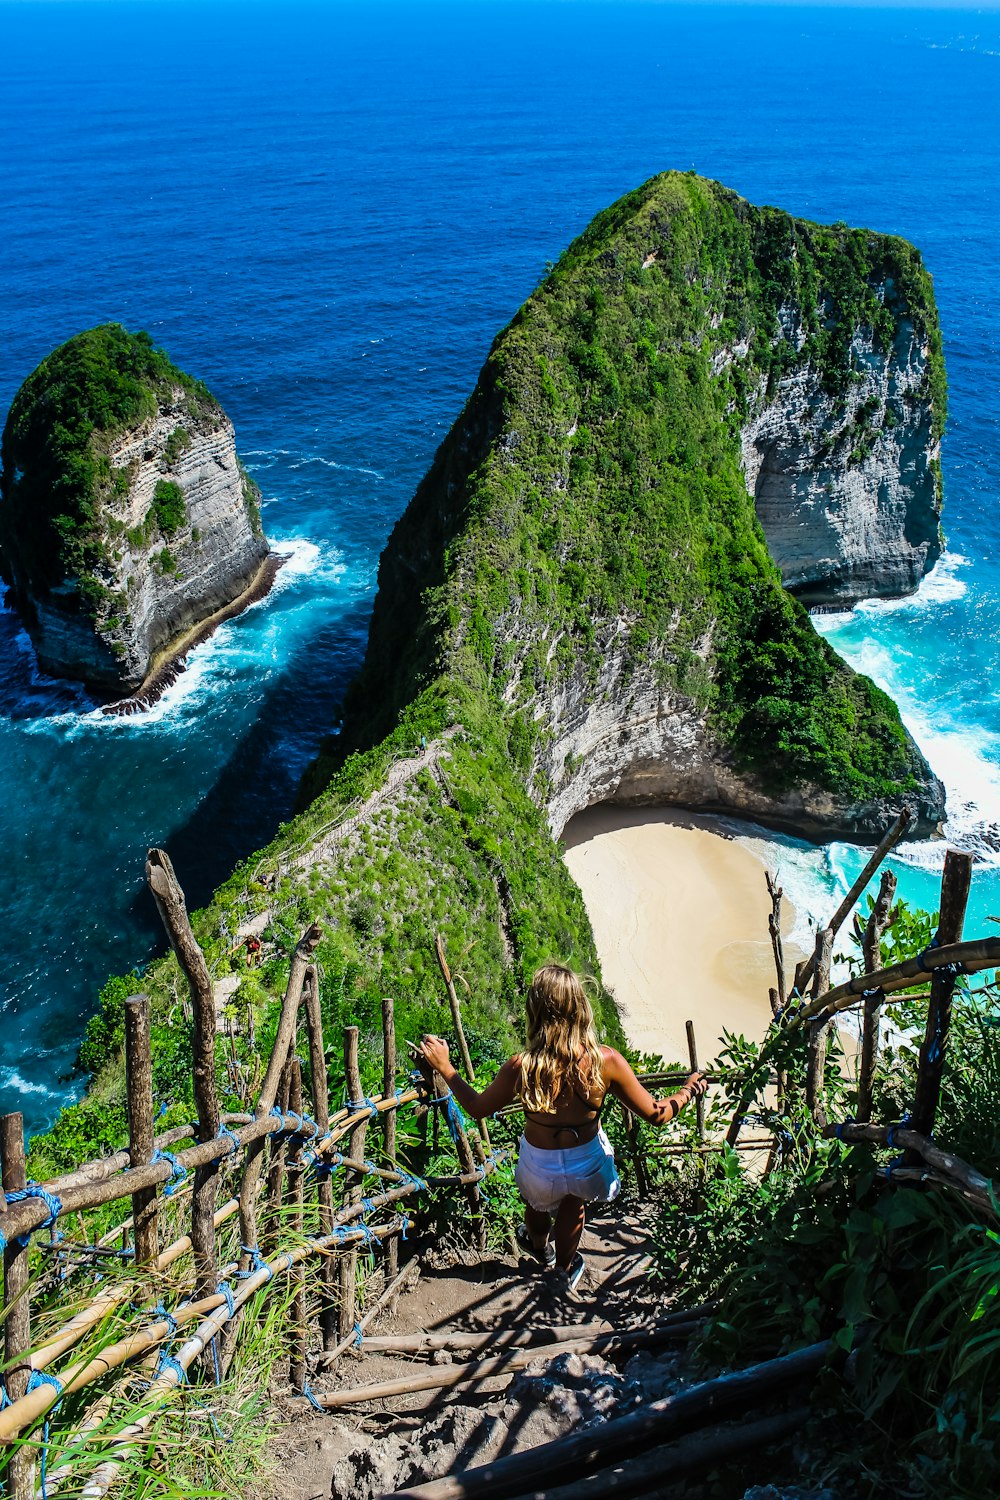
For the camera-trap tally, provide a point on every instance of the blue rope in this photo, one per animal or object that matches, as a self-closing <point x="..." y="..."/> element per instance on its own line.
<point x="227" y="1292"/>
<point x="420" y="1183"/>
<point x="258" y="1263"/>
<point x="3" y="1246"/>
<point x="308" y="1120"/>
<point x="935" y="942"/>
<point x="310" y="1397"/>
<point x="359" y="1337"/>
<point x="405" y="1222"/>
<point x="35" y="1379"/>
<point x="226" y="1133"/>
<point x="52" y="1203"/>
<point x="162" y="1110"/>
<point x="368" y="1205"/>
<point x="4" y="1398"/>
<point x="355" y="1106"/>
<point x="453" y="1114"/>
<point x="167" y="1362"/>
<point x="215" y="1362"/>
<point x="168" y="1317"/>
<point x="294" y="1115"/>
<point x="178" y="1172"/>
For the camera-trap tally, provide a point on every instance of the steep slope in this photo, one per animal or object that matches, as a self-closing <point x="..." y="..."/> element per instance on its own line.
<point x="125" y="517"/>
<point x="584" y="559"/>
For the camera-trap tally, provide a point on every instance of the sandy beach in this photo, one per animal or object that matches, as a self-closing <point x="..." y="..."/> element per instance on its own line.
<point x="679" y="911"/>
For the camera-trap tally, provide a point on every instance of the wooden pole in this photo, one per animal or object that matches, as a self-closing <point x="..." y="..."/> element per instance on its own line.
<point x="321" y="1114"/>
<point x="774" y="928"/>
<point x="693" y="1060"/>
<point x="348" y="1265"/>
<point x="871" y="946"/>
<point x="301" y="958"/>
<point x="441" y="1376"/>
<point x="845" y="908"/>
<point x="657" y="1422"/>
<point x="466" y="1159"/>
<point x="955" y="881"/>
<point x="271" y="1230"/>
<point x="389" y="1119"/>
<point x="18" y="1471"/>
<point x="482" y="1145"/>
<point x="819" y="1030"/>
<point x="298" y="1334"/>
<point x="392" y="1290"/>
<point x="139" y="1096"/>
<point x="170" y="904"/>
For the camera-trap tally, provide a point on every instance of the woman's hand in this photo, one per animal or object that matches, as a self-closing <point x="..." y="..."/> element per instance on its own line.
<point x="696" y="1085"/>
<point x="435" y="1050"/>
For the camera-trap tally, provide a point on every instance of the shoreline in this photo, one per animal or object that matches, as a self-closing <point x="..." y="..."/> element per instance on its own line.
<point x="679" y="909"/>
<point x="171" y="661"/>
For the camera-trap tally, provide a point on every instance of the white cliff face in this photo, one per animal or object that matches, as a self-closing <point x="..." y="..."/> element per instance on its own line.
<point x="168" y="566"/>
<point x="846" y="490"/>
<point x="626" y="739"/>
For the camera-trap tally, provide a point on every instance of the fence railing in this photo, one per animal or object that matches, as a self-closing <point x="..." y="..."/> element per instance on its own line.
<point x="282" y="1203"/>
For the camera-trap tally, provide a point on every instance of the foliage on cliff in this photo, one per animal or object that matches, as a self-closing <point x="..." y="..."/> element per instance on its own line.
<point x="57" y="480"/>
<point x="592" y="489"/>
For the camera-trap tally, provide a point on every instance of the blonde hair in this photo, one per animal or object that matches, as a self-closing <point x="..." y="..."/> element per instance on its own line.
<point x="562" y="1049"/>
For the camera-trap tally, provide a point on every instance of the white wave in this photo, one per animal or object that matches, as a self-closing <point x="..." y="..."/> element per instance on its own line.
<point x="941" y="585"/>
<point x="10" y="1078"/>
<point x="329" y="463"/>
<point x="211" y="667"/>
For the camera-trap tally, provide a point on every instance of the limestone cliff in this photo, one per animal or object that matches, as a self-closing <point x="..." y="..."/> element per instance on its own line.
<point x="125" y="517"/>
<point x="586" y="562"/>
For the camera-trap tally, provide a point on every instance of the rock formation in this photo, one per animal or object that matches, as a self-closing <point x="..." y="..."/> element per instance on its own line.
<point x="585" y="561"/>
<point x="126" y="520"/>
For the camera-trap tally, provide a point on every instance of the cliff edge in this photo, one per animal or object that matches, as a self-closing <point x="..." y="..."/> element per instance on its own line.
<point x="126" y="519"/>
<point x="702" y="399"/>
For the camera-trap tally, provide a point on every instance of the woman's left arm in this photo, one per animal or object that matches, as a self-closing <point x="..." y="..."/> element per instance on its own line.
<point x="479" y="1105"/>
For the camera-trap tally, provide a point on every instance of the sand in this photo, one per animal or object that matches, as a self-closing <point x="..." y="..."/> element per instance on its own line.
<point x="679" y="910"/>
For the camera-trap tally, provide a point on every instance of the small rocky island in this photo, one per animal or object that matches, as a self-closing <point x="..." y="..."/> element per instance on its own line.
<point x="128" y="526"/>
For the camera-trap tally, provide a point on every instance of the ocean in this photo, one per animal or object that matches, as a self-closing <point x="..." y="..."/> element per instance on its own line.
<point x="326" y="211"/>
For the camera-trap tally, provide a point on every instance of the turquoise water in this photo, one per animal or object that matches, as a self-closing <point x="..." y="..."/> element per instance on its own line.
<point x="326" y="211"/>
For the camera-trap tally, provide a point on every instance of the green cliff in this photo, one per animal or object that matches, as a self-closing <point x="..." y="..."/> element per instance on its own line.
<point x="125" y="518"/>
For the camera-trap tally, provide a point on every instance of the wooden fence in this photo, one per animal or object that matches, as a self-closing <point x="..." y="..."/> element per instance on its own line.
<point x="156" y="1178"/>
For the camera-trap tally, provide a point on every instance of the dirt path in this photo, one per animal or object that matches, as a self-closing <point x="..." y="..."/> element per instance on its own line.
<point x="361" y="1452"/>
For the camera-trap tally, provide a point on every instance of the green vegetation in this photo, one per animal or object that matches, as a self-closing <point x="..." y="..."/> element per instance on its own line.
<point x="168" y="506"/>
<point x="57" y="481"/>
<point x="822" y="1248"/>
<point x="593" y="486"/>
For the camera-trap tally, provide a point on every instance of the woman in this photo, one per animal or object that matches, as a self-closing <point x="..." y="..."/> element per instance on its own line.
<point x="562" y="1078"/>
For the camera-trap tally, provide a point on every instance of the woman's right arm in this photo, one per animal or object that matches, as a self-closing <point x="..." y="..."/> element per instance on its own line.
<point x="623" y="1083"/>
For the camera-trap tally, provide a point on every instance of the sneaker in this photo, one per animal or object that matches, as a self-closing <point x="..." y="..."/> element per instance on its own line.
<point x="547" y="1256"/>
<point x="564" y="1283"/>
<point x="575" y="1273"/>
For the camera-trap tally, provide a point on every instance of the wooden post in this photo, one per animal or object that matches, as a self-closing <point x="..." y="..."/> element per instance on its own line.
<point x="321" y="1114"/>
<point x="254" y="1159"/>
<point x="389" y="1118"/>
<point x="170" y="904"/>
<point x="139" y="1096"/>
<point x="298" y="1337"/>
<point x="482" y="1145"/>
<point x="693" y="1059"/>
<point x="819" y="1030"/>
<point x="348" y="1262"/>
<point x="18" y="1470"/>
<point x="872" y="949"/>
<point x="273" y="1188"/>
<point x="955" y="882"/>
<point x="774" y="928"/>
<point x="804" y="971"/>
<point x="468" y="1164"/>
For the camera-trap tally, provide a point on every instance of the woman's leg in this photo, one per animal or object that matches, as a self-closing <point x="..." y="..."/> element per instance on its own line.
<point x="570" y="1217"/>
<point x="539" y="1226"/>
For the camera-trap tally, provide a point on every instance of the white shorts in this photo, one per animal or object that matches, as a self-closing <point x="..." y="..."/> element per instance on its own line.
<point x="545" y="1178"/>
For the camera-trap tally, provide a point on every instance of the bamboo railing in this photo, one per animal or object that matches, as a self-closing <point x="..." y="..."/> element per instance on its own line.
<point x="287" y="1218"/>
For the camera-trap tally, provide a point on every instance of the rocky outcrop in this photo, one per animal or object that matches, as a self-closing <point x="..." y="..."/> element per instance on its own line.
<point x="624" y="739"/>
<point x="847" y="487"/>
<point x="164" y="533"/>
<point x="702" y="402"/>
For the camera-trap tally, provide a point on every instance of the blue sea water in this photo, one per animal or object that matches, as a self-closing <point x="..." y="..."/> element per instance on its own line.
<point x="326" y="211"/>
